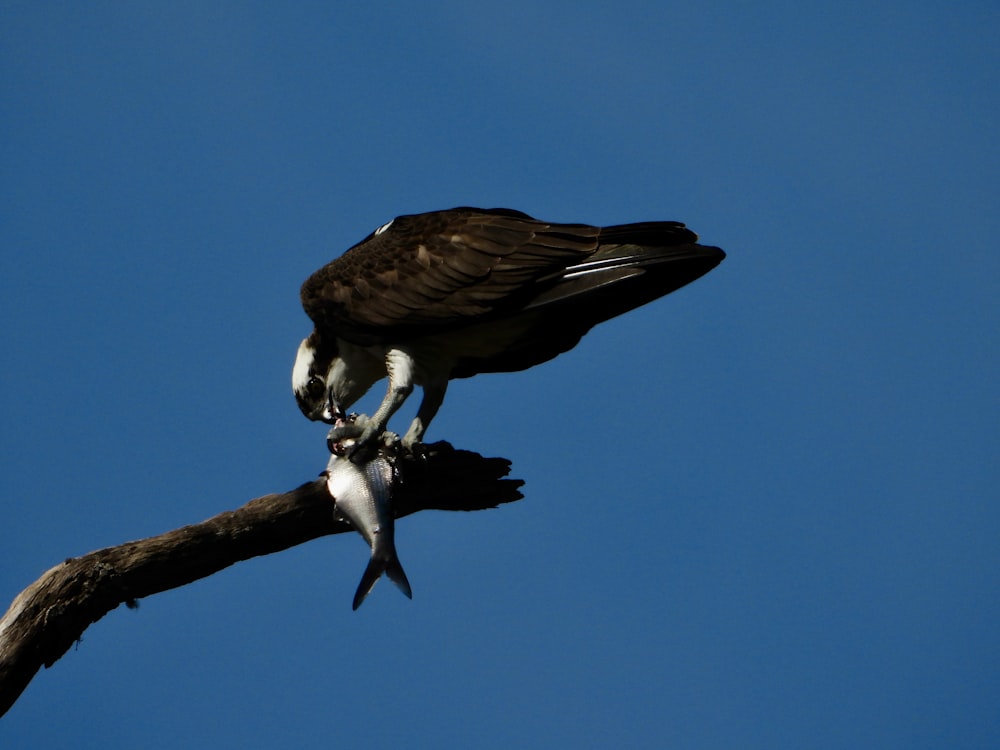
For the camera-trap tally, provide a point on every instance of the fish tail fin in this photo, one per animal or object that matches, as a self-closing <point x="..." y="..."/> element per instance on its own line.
<point x="394" y="570"/>
<point x="376" y="567"/>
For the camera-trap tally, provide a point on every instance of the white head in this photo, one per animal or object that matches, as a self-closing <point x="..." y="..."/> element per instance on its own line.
<point x="310" y="379"/>
<point x="325" y="383"/>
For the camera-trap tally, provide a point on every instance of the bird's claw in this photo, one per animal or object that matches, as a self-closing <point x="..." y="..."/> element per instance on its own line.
<point x="344" y="433"/>
<point x="415" y="448"/>
<point x="358" y="437"/>
<point x="366" y="446"/>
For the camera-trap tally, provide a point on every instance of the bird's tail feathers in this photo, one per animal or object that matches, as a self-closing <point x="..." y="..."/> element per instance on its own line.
<point x="376" y="567"/>
<point x="648" y="234"/>
<point x="648" y="272"/>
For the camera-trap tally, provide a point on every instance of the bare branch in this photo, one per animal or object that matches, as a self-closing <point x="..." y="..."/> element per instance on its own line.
<point x="51" y="614"/>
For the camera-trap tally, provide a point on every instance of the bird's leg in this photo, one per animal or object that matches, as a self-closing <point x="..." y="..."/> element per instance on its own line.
<point x="399" y="366"/>
<point x="433" y="398"/>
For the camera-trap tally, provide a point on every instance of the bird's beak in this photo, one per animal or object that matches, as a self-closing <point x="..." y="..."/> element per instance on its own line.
<point x="321" y="414"/>
<point x="333" y="414"/>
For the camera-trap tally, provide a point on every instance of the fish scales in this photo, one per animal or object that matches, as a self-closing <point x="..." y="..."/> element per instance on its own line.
<point x="363" y="497"/>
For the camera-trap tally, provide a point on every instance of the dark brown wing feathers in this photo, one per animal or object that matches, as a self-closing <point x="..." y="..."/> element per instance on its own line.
<point x="444" y="269"/>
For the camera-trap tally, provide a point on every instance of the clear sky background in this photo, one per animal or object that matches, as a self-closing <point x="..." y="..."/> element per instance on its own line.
<point x="762" y="512"/>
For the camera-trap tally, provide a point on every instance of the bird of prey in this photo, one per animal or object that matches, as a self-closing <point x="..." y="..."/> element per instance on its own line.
<point x="450" y="294"/>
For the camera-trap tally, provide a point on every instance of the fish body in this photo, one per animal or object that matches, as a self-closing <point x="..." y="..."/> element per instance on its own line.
<point x="363" y="497"/>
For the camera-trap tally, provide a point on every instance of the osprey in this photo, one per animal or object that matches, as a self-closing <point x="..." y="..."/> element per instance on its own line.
<point x="451" y="294"/>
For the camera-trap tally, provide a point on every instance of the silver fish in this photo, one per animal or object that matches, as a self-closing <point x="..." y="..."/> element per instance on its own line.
<point x="363" y="498"/>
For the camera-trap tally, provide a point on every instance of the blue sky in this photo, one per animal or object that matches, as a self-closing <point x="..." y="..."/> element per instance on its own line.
<point x="761" y="512"/>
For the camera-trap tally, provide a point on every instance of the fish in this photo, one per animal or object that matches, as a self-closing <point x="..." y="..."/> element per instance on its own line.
<point x="362" y="495"/>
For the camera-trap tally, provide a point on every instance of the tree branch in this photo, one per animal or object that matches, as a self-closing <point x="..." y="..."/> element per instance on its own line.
<point x="51" y="614"/>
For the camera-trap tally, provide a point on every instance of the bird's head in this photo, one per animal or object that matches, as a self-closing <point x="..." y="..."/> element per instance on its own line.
<point x="312" y="378"/>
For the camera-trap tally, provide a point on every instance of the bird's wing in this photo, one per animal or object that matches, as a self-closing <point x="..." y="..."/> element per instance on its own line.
<point x="430" y="272"/>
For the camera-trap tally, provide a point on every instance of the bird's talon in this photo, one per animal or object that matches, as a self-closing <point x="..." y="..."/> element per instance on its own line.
<point x="366" y="445"/>
<point x="415" y="448"/>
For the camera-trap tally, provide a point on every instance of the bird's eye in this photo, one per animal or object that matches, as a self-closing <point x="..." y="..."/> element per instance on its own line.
<point x="315" y="387"/>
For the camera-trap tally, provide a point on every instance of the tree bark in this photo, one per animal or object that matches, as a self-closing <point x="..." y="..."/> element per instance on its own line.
<point x="51" y="614"/>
